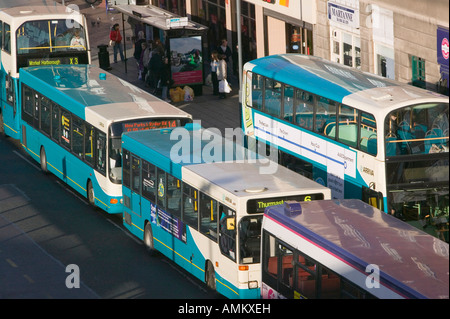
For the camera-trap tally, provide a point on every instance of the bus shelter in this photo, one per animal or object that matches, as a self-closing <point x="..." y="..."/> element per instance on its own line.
<point x="184" y="41"/>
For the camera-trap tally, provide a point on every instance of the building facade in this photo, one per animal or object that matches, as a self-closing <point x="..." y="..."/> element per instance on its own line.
<point x="406" y="40"/>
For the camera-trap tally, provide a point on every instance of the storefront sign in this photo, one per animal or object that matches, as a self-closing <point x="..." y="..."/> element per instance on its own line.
<point x="442" y="45"/>
<point x="343" y="15"/>
<point x="443" y="53"/>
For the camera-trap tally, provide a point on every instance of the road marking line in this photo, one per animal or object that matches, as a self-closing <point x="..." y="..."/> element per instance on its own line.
<point x="11" y="263"/>
<point x="31" y="281"/>
<point x="26" y="160"/>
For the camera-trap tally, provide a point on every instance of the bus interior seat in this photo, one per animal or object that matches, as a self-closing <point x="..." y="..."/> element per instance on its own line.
<point x="430" y="140"/>
<point x="372" y="146"/>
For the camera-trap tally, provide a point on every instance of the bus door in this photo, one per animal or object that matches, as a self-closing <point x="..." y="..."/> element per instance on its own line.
<point x="135" y="200"/>
<point x="9" y="107"/>
<point x="372" y="197"/>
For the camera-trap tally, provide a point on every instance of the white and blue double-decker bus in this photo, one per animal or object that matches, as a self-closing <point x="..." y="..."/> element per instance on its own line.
<point x="72" y="118"/>
<point x="35" y="33"/>
<point x="189" y="195"/>
<point x="362" y="135"/>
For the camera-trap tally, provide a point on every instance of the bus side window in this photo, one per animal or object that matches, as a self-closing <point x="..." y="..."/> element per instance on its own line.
<point x="325" y="114"/>
<point x="227" y="235"/>
<point x="45" y="115"/>
<point x="161" y="188"/>
<point x="190" y="206"/>
<point x="28" y="102"/>
<point x="257" y="91"/>
<point x="306" y="278"/>
<point x="208" y="213"/>
<point x="126" y="168"/>
<point x="37" y="98"/>
<point x="304" y="109"/>
<point x="7" y="38"/>
<point x="100" y="154"/>
<point x="136" y="174"/>
<point x="89" y="145"/>
<point x="77" y="137"/>
<point x="348" y="129"/>
<point x="1" y="34"/>
<point x="148" y="181"/>
<point x="55" y="123"/>
<point x="66" y="120"/>
<point x="288" y="103"/>
<point x="174" y="195"/>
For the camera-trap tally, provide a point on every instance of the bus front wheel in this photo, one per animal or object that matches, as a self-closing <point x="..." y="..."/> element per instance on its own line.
<point x="90" y="194"/>
<point x="210" y="276"/>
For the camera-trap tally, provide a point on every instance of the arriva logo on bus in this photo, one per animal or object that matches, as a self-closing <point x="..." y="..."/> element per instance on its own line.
<point x="219" y="149"/>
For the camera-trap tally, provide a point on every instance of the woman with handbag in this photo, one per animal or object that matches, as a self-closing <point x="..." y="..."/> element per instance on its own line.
<point x="116" y="42"/>
<point x="222" y="77"/>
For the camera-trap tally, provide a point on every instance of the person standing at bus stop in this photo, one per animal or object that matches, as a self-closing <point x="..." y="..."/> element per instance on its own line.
<point x="115" y="36"/>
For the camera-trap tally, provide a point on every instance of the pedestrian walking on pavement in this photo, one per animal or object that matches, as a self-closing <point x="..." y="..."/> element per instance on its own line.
<point x="214" y="66"/>
<point x="116" y="37"/>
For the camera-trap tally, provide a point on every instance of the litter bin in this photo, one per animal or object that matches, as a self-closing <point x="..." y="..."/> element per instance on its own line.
<point x="103" y="57"/>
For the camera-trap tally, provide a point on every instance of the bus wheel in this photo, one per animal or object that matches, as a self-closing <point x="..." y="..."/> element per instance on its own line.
<point x="148" y="239"/>
<point x="43" y="159"/>
<point x="210" y="276"/>
<point x="90" y="194"/>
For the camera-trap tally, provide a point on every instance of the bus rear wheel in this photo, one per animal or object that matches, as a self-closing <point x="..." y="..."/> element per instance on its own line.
<point x="148" y="239"/>
<point x="43" y="159"/>
<point x="210" y="276"/>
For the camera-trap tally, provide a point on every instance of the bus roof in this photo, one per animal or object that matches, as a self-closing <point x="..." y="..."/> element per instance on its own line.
<point x="242" y="178"/>
<point x="23" y="8"/>
<point x="343" y="84"/>
<point x="360" y="234"/>
<point x="86" y="88"/>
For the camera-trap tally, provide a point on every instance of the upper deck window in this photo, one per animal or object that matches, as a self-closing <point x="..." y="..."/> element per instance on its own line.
<point x="420" y="129"/>
<point x="50" y="36"/>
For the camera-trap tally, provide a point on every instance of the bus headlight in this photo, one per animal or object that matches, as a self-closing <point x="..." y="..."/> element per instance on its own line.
<point x="252" y="284"/>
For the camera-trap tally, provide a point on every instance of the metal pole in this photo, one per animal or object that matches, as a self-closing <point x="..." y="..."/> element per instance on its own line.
<point x="124" y="40"/>
<point x="239" y="37"/>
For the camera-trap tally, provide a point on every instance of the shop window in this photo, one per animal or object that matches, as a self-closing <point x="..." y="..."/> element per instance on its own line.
<point x="346" y="48"/>
<point x="385" y="65"/>
<point x="418" y="71"/>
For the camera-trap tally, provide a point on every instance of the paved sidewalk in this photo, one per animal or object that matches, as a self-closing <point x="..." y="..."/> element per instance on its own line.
<point x="208" y="108"/>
